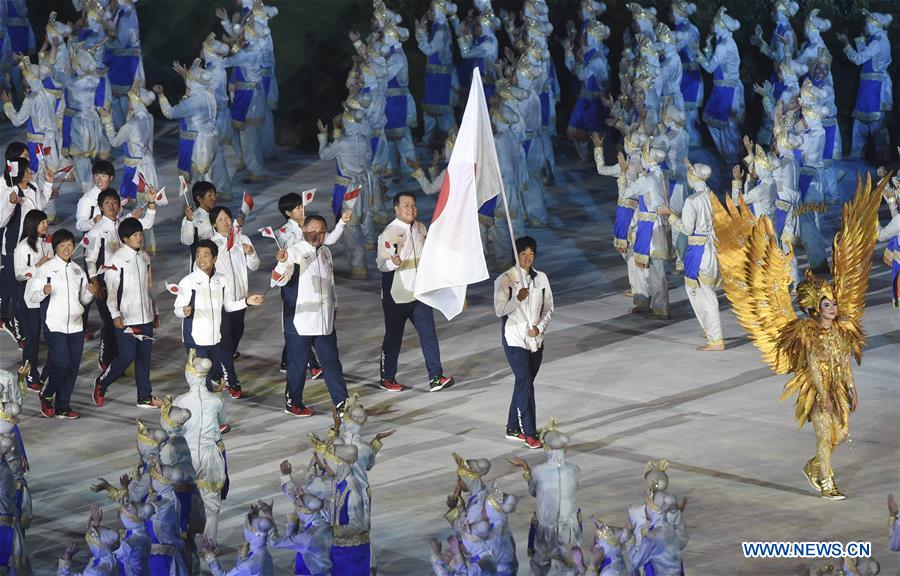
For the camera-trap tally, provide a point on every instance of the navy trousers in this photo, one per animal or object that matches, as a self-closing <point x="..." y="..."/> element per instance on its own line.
<point x="132" y="350"/>
<point x="395" y="317"/>
<point x="63" y="362"/>
<point x="298" y="354"/>
<point x="525" y="365"/>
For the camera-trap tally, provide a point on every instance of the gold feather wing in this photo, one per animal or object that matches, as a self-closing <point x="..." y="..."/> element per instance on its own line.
<point x="852" y="256"/>
<point x="756" y="275"/>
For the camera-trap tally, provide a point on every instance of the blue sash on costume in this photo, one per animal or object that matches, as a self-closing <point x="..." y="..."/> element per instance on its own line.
<point x="588" y="114"/>
<point x="644" y="233"/>
<point x="243" y="96"/>
<point x="438" y="79"/>
<point x="32" y="146"/>
<point x="718" y="106"/>
<point x="160" y="564"/>
<point x="693" y="256"/>
<point x="7" y="534"/>
<point x="868" y="96"/>
<point x="894" y="247"/>
<point x="395" y="107"/>
<point x="17" y="29"/>
<point x="804" y="180"/>
<point x="347" y="560"/>
<point x="337" y="194"/>
<point x="624" y="215"/>
<point x="185" y="147"/>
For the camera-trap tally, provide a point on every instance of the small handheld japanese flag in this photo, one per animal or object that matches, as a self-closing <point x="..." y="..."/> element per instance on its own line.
<point x="308" y="195"/>
<point x="161" y="199"/>
<point x="172" y="288"/>
<point x="268" y="232"/>
<point x="183" y="190"/>
<point x="276" y="279"/>
<point x="136" y="332"/>
<point x="140" y="182"/>
<point x="246" y="204"/>
<point x="351" y="197"/>
<point x="65" y="171"/>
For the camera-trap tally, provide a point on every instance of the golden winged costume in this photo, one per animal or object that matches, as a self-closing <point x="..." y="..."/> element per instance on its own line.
<point x="756" y="274"/>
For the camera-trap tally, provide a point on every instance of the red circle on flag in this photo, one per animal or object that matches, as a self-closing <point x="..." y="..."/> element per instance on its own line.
<point x="308" y="197"/>
<point x="387" y="244"/>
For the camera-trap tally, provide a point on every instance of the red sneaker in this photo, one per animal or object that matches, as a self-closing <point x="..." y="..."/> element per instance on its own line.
<point x="440" y="382"/>
<point x="47" y="407"/>
<point x="236" y="393"/>
<point x="391" y="385"/>
<point x="299" y="412"/>
<point x="315" y="373"/>
<point x="35" y="386"/>
<point x="98" y="395"/>
<point x="68" y="415"/>
<point x="224" y="428"/>
<point x="533" y="443"/>
<point x="88" y="336"/>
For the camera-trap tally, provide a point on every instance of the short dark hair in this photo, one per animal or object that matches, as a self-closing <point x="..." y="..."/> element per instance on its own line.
<point x="209" y="244"/>
<point x="402" y="194"/>
<point x="288" y="202"/>
<point x="200" y="189"/>
<point x="214" y="214"/>
<point x="108" y="193"/>
<point x="103" y="167"/>
<point x="524" y="243"/>
<point x="60" y="236"/>
<point x="15" y="149"/>
<point x="311" y="217"/>
<point x="129" y="227"/>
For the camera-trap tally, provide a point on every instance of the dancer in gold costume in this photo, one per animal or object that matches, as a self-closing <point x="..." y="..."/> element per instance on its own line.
<point x="816" y="348"/>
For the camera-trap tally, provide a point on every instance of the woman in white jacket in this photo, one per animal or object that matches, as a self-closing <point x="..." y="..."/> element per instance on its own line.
<point x="236" y="257"/>
<point x="62" y="289"/>
<point x="31" y="253"/>
<point x="524" y="301"/>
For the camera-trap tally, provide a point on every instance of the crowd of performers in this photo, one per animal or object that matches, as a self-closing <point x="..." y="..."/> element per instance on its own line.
<point x="86" y="96"/>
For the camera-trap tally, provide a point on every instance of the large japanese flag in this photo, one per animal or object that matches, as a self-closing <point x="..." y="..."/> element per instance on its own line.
<point x="453" y="256"/>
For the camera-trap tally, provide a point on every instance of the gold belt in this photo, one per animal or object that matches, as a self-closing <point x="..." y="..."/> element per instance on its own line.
<point x="697" y="240"/>
<point x="628" y="203"/>
<point x="647" y="216"/>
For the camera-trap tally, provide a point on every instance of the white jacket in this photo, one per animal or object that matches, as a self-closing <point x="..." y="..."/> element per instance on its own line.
<point x="25" y="262"/>
<point x="407" y="241"/>
<point x="233" y="264"/>
<point x="66" y="302"/>
<point x="128" y="279"/>
<point x="207" y="296"/>
<point x="199" y="228"/>
<point x="310" y="299"/>
<point x="534" y="311"/>
<point x="29" y="199"/>
<point x="87" y="209"/>
<point x="103" y="241"/>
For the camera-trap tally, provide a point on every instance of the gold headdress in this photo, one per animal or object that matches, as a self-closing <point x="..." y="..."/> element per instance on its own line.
<point x="812" y="291"/>
<point x="604" y="532"/>
<point x="664" y="34"/>
<point x="156" y="473"/>
<point x="144" y="436"/>
<point x="761" y="159"/>
<point x="463" y="470"/>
